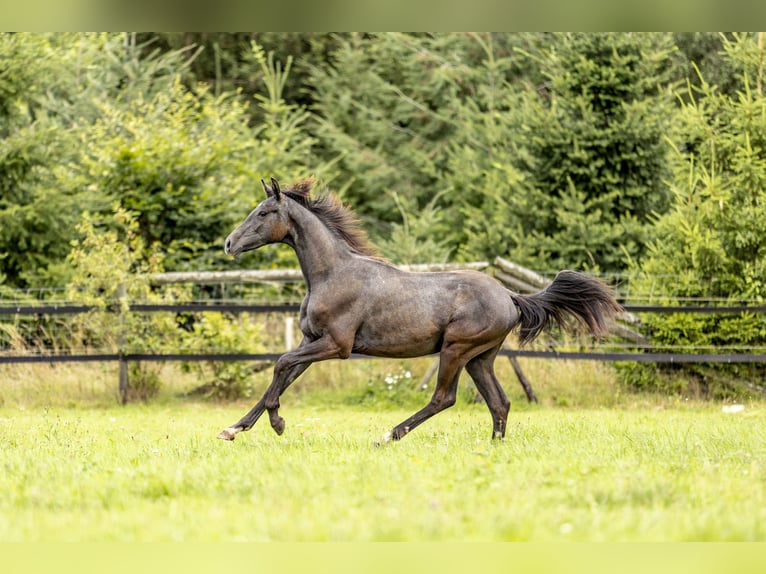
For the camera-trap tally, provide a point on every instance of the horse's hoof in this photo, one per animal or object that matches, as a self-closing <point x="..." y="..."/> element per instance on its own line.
<point x="278" y="426"/>
<point x="228" y="434"/>
<point x="386" y="438"/>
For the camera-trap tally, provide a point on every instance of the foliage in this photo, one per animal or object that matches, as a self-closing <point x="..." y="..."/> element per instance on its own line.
<point x="216" y="332"/>
<point x="387" y="389"/>
<point x="413" y="240"/>
<point x="181" y="193"/>
<point x="188" y="197"/>
<point x="565" y="173"/>
<point x="111" y="269"/>
<point x="544" y="147"/>
<point x="224" y="61"/>
<point x="51" y="90"/>
<point x="381" y="104"/>
<point x="704" y="51"/>
<point x="121" y="124"/>
<point x="33" y="217"/>
<point x="556" y="150"/>
<point x="711" y="244"/>
<point x="487" y="190"/>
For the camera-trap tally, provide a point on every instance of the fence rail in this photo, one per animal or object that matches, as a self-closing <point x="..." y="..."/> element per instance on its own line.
<point x="641" y="354"/>
<point x="227" y="307"/>
<point x="648" y="357"/>
<point x="515" y="276"/>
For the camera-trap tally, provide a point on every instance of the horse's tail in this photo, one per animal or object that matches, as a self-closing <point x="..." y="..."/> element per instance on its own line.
<point x="571" y="296"/>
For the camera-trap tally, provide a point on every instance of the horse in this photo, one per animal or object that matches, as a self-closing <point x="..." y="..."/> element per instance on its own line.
<point x="357" y="302"/>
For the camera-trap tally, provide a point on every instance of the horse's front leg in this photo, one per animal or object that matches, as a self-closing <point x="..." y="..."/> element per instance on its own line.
<point x="247" y="421"/>
<point x="288" y="368"/>
<point x="243" y="424"/>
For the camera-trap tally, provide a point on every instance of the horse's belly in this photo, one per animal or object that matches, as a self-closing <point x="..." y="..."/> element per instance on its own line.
<point x="398" y="340"/>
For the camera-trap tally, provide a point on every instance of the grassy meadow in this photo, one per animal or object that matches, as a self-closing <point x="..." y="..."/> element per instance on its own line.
<point x="588" y="464"/>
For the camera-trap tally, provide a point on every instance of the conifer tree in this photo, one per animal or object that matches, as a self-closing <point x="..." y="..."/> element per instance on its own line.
<point x="566" y="172"/>
<point x="711" y="244"/>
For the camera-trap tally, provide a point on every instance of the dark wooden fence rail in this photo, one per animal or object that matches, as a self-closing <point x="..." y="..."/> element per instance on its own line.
<point x="63" y="309"/>
<point x="639" y="354"/>
<point x="642" y="351"/>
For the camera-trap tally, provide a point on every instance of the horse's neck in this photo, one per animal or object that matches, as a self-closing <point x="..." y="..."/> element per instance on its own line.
<point x="319" y="251"/>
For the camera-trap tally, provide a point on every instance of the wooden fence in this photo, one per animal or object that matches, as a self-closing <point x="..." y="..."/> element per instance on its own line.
<point x="515" y="277"/>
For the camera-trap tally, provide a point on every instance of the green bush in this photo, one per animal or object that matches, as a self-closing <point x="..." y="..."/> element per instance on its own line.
<point x="224" y="333"/>
<point x="110" y="265"/>
<point x="567" y="171"/>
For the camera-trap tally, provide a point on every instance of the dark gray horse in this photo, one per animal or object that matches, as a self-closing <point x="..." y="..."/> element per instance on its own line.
<point x="359" y="303"/>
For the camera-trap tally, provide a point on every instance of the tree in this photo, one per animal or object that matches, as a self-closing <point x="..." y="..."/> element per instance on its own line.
<point x="34" y="217"/>
<point x="178" y="160"/>
<point x="110" y="266"/>
<point x="51" y="90"/>
<point x="711" y="244"/>
<point x="566" y="173"/>
<point x="388" y="105"/>
<point x="224" y="61"/>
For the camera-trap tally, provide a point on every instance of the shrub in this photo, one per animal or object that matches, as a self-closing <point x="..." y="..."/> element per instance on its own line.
<point x="111" y="264"/>
<point x="222" y="333"/>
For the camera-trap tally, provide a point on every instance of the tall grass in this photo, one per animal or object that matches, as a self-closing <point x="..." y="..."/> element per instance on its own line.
<point x="591" y="462"/>
<point x="382" y="383"/>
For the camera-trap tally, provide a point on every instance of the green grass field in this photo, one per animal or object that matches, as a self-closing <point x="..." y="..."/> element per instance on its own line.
<point x="678" y="472"/>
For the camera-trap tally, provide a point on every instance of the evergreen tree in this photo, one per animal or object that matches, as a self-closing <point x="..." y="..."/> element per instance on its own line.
<point x="711" y="244"/>
<point x="568" y="172"/>
<point x="35" y="217"/>
<point x="387" y="106"/>
<point x="53" y="87"/>
<point x="187" y="163"/>
<point x="225" y="62"/>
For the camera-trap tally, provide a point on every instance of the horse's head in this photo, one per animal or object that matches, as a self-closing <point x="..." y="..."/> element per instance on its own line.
<point x="267" y="223"/>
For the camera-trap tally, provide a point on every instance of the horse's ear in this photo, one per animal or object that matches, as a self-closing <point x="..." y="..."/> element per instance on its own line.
<point x="267" y="189"/>
<point x="275" y="189"/>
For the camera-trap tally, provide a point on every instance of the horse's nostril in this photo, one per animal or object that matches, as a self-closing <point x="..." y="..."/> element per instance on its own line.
<point x="227" y="245"/>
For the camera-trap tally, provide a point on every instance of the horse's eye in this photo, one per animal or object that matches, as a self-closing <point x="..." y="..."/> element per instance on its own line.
<point x="263" y="214"/>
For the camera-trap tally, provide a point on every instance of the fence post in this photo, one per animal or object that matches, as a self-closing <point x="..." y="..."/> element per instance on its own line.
<point x="525" y="384"/>
<point x="122" y="294"/>
<point x="289" y="333"/>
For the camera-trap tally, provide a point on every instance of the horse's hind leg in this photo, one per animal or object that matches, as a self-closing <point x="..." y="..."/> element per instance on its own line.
<point x="482" y="372"/>
<point x="441" y="399"/>
<point x="451" y="362"/>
